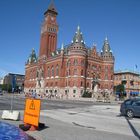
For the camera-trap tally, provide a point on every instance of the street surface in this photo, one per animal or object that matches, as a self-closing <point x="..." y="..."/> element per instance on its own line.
<point x="78" y="120"/>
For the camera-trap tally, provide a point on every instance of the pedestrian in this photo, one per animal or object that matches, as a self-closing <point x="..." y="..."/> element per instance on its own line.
<point x="34" y="94"/>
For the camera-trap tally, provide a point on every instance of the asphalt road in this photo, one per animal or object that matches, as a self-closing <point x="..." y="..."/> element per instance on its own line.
<point x="58" y="130"/>
<point x="18" y="103"/>
<point x="77" y="120"/>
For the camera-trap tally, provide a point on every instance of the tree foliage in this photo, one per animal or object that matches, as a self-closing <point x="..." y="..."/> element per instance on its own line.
<point x="87" y="94"/>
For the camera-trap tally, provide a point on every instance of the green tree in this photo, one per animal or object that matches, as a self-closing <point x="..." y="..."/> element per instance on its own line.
<point x="120" y="88"/>
<point x="6" y="87"/>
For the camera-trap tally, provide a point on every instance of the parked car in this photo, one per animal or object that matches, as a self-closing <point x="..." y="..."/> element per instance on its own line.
<point x="131" y="107"/>
<point x="11" y="132"/>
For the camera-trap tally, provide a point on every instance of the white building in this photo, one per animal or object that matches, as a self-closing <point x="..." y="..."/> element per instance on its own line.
<point x="1" y="80"/>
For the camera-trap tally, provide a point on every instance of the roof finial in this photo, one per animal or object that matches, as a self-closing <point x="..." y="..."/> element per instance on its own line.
<point x="78" y="27"/>
<point x="106" y="39"/>
<point x="62" y="46"/>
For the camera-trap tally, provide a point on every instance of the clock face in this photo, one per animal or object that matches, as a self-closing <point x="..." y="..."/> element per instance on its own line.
<point x="52" y="18"/>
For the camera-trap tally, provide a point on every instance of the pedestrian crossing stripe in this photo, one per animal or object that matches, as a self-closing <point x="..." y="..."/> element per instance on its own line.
<point x="32" y="105"/>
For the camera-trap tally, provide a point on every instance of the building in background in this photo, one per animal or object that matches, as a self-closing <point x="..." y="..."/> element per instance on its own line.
<point x="71" y="70"/>
<point x="1" y="80"/>
<point x="15" y="80"/>
<point x="130" y="80"/>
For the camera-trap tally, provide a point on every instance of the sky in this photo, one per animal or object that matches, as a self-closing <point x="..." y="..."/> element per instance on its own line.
<point x="21" y="20"/>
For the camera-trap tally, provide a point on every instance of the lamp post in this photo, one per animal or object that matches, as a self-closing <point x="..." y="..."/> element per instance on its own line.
<point x="13" y="88"/>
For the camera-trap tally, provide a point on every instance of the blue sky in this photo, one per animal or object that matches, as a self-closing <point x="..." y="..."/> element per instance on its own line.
<point x="20" y="24"/>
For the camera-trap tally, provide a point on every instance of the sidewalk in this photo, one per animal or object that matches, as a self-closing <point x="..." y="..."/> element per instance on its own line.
<point x="72" y="99"/>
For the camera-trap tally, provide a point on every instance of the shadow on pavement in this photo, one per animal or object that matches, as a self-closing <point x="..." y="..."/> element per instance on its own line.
<point x="133" y="128"/>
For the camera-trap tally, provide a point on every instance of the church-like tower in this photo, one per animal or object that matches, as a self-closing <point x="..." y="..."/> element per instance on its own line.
<point x="49" y="31"/>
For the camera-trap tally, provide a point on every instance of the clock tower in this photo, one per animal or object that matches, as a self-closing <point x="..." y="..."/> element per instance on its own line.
<point x="49" y="31"/>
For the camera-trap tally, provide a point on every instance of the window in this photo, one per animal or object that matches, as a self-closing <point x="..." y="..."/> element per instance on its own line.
<point x="128" y="102"/>
<point x="87" y="84"/>
<point x="69" y="83"/>
<point x="68" y="63"/>
<point x="55" y="83"/>
<point x="66" y="91"/>
<point x="48" y="72"/>
<point x="46" y="84"/>
<point x="106" y="77"/>
<point x="94" y="67"/>
<point x="99" y="68"/>
<point x="111" y="68"/>
<point x="132" y="83"/>
<point x="75" y="71"/>
<point x="46" y="91"/>
<point x="52" y="71"/>
<point x="136" y="103"/>
<point x="88" y="74"/>
<point x="82" y="73"/>
<point x="51" y="84"/>
<point x="106" y="69"/>
<point x="82" y="62"/>
<point x="75" y="62"/>
<point x="69" y="72"/>
<point x="89" y="66"/>
<point x="81" y="83"/>
<point x="57" y="70"/>
<point x="123" y="77"/>
<point x="74" y="91"/>
<point x="112" y="77"/>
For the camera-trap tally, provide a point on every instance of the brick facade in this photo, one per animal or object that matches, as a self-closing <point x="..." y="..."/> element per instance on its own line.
<point x="71" y="70"/>
<point x="130" y="80"/>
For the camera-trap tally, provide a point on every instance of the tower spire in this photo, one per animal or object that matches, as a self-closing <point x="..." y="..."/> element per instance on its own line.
<point x="49" y="31"/>
<point x="78" y="37"/>
<point x="51" y="8"/>
<point x="106" y="50"/>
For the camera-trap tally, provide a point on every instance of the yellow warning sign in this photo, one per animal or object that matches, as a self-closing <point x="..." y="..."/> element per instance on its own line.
<point x="32" y="105"/>
<point x="32" y="111"/>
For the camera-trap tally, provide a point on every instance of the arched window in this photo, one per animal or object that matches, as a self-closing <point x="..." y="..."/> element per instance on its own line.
<point x="48" y="72"/>
<point x="55" y="83"/>
<point x="82" y="73"/>
<point x="81" y="83"/>
<point x="52" y="71"/>
<point x="75" y="62"/>
<point x="82" y="63"/>
<point x="57" y="70"/>
<point x="94" y="67"/>
<point x="99" y="68"/>
<point x="88" y="74"/>
<point x="112" y="77"/>
<point x="69" y="72"/>
<point x="75" y="71"/>
<point x="106" y="69"/>
<point x="106" y="77"/>
<point x="68" y="63"/>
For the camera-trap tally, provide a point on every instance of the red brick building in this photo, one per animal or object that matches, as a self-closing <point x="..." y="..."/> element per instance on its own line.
<point x="68" y="71"/>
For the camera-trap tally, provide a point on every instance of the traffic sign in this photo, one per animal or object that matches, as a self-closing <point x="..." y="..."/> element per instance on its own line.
<point x="32" y="112"/>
